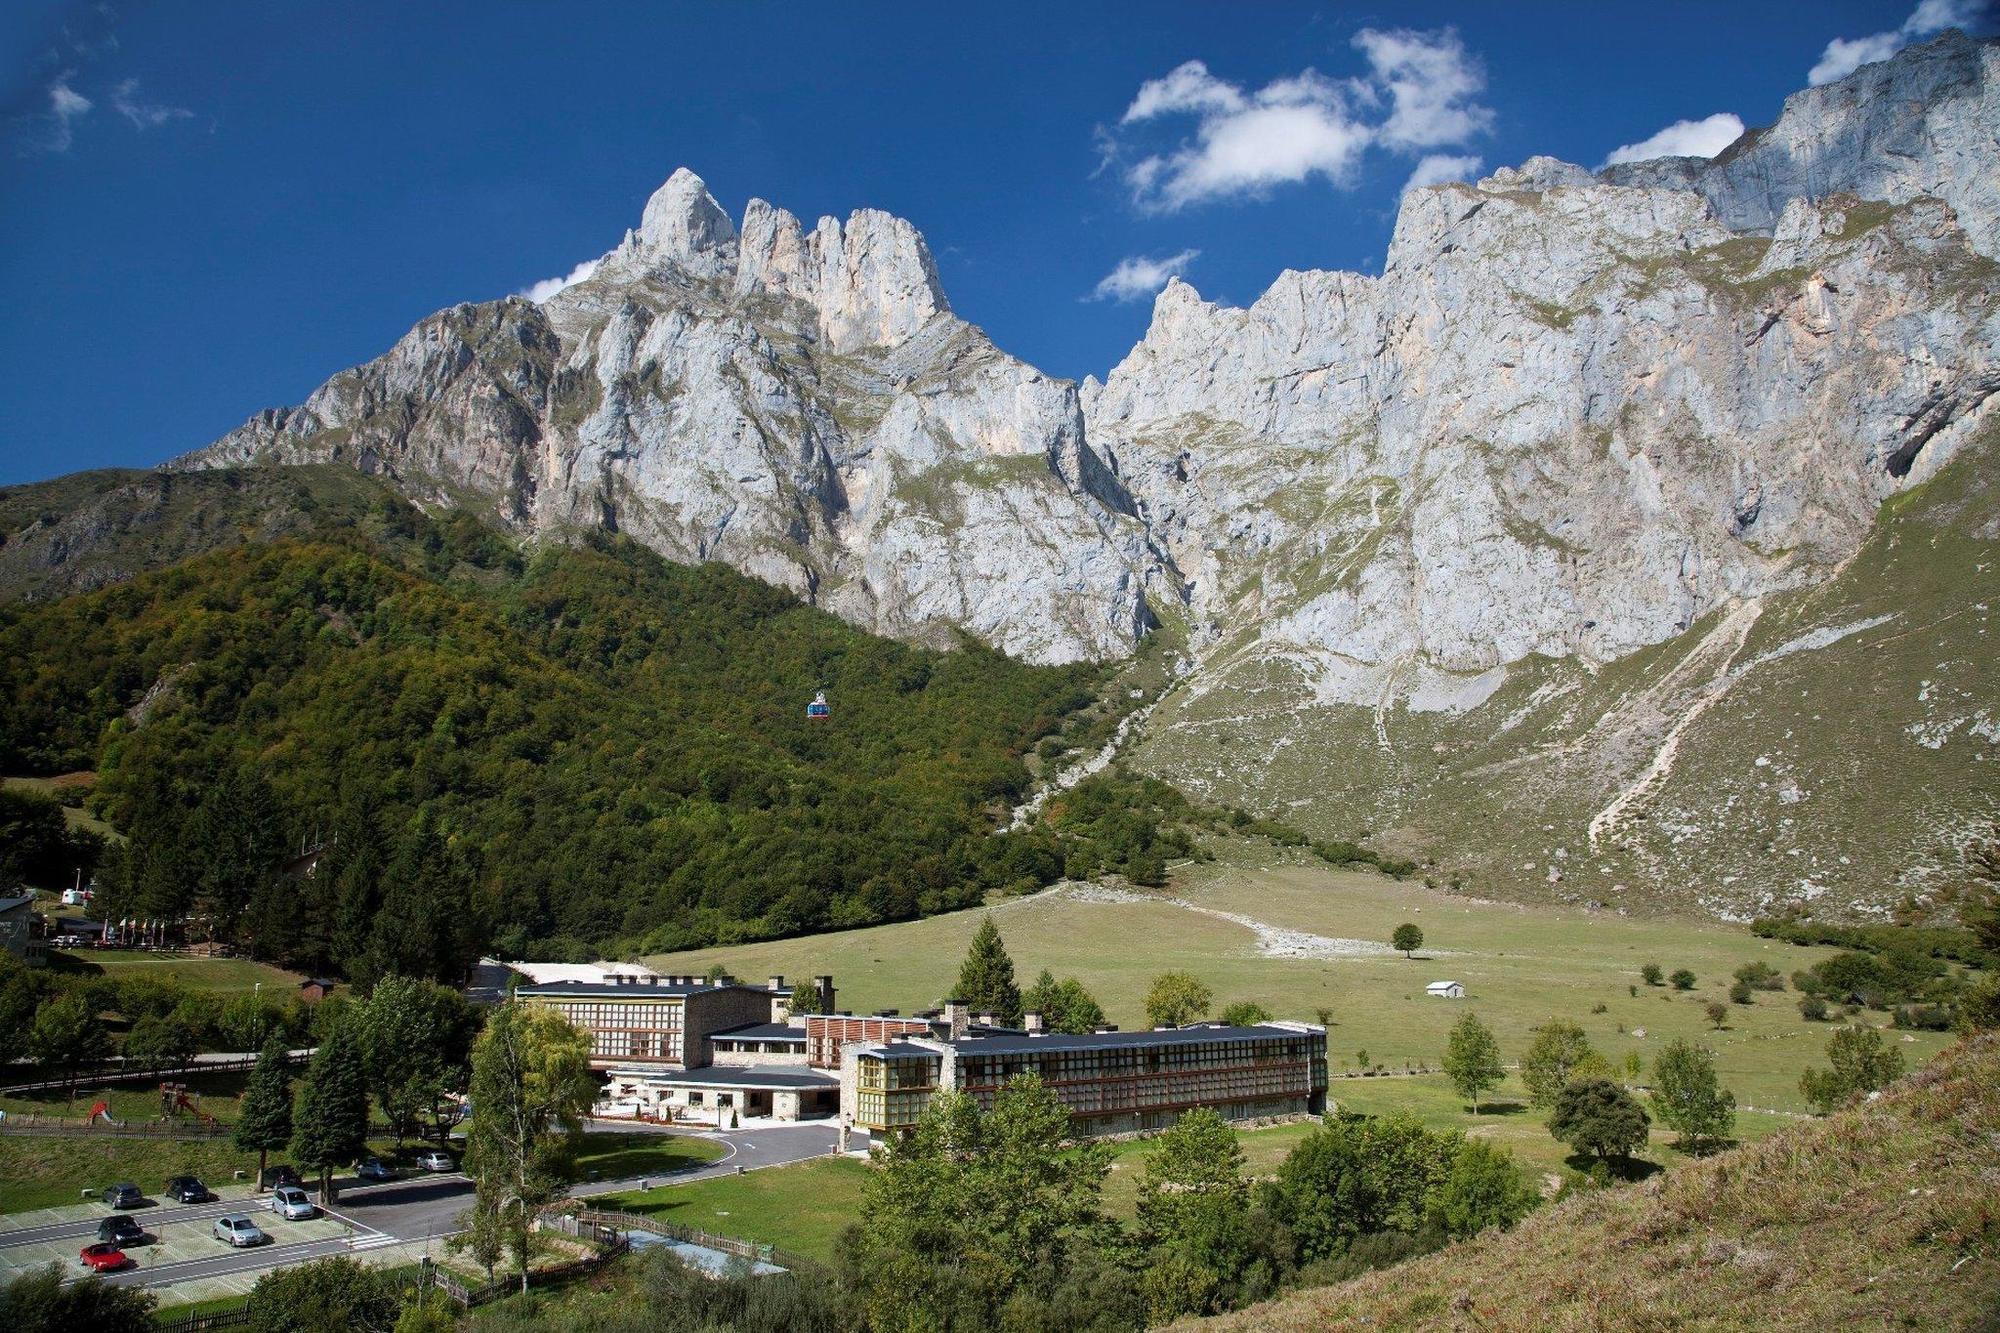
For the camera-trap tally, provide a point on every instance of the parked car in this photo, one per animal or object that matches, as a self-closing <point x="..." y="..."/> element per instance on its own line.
<point x="237" y="1230"/>
<point x="103" y="1257"/>
<point x="126" y="1195"/>
<point x="186" y="1189"/>
<point x="279" y="1176"/>
<point x="374" y="1168"/>
<point x="119" y="1229"/>
<point x="290" y="1202"/>
<point x="435" y="1160"/>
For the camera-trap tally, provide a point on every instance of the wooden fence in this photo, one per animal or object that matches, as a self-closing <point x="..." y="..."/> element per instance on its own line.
<point x="68" y="1126"/>
<point x="745" y="1249"/>
<point x="202" y="1320"/>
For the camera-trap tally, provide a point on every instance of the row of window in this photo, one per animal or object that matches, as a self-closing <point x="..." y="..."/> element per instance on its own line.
<point x="599" y="1014"/>
<point x="1112" y="1062"/>
<point x="906" y="1072"/>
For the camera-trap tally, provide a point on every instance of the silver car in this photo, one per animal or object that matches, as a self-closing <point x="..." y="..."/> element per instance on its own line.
<point x="237" y="1230"/>
<point x="290" y="1202"/>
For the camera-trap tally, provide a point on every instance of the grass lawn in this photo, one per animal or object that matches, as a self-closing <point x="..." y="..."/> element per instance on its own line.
<point x="615" y="1156"/>
<point x="70" y="789"/>
<point x="216" y="1094"/>
<point x="37" y="1172"/>
<point x="1520" y="964"/>
<point x="210" y="974"/>
<point x="801" y="1208"/>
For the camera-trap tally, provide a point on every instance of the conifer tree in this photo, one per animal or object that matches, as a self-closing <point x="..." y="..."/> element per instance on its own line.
<point x="332" y="1122"/>
<point x="266" y="1119"/>
<point x="987" y="979"/>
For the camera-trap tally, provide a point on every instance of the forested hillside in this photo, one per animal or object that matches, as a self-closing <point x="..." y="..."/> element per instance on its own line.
<point x="580" y="749"/>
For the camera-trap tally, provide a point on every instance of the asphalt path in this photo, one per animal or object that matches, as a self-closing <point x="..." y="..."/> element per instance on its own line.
<point x="419" y="1207"/>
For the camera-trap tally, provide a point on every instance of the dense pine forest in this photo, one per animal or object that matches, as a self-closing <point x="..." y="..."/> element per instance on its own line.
<point x="551" y="752"/>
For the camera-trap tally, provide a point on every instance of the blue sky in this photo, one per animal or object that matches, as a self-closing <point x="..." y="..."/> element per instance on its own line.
<point x="207" y="209"/>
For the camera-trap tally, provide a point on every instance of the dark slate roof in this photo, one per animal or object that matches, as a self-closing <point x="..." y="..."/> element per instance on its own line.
<point x="725" y="1076"/>
<point x="584" y="990"/>
<point x="10" y="903"/>
<point x="899" y="1049"/>
<point x="764" y="1032"/>
<point x="1101" y="1041"/>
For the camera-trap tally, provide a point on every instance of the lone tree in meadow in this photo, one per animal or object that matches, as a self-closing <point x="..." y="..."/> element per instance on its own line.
<point x="1559" y="1055"/>
<point x="1687" y="1099"/>
<point x="986" y="981"/>
<point x="1177" y="999"/>
<point x="1407" y="939"/>
<point x="1472" y="1059"/>
<point x="1682" y="979"/>
<point x="1596" y="1116"/>
<point x="266" y="1119"/>
<point x="1718" y="1014"/>
<point x="1651" y="974"/>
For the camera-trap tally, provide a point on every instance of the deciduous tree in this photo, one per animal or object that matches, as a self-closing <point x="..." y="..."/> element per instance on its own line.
<point x="1596" y="1116"/>
<point x="531" y="1089"/>
<point x="1862" y="1062"/>
<point x="1559" y="1054"/>
<point x="1687" y="1098"/>
<point x="1177" y="999"/>
<point x="1472" y="1059"/>
<point x="1408" y="938"/>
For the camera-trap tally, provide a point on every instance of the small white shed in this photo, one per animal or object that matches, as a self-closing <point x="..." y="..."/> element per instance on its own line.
<point x="1446" y="990"/>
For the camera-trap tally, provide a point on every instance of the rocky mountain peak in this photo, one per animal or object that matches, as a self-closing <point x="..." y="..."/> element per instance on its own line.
<point x="683" y="221"/>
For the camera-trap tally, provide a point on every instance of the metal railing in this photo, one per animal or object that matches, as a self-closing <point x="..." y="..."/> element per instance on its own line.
<point x="659" y="1226"/>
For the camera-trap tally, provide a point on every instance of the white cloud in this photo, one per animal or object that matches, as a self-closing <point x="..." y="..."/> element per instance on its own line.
<point x="1293" y="129"/>
<point x="539" y="292"/>
<point x="1189" y="88"/>
<point x="51" y="131"/>
<point x="1683" y="138"/>
<point x="1844" y="55"/>
<point x="1437" y="168"/>
<point x="1137" y="277"/>
<point x="1431" y="82"/>
<point x="143" y="115"/>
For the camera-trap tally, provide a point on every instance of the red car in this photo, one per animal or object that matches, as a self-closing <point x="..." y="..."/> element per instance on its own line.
<point x="103" y="1257"/>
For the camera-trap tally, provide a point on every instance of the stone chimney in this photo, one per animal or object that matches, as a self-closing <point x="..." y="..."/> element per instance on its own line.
<point x="956" y="1018"/>
<point x="777" y="982"/>
<point x="1033" y="1021"/>
<point x="986" y="1018"/>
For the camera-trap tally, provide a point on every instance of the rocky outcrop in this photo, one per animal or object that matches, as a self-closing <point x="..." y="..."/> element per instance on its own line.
<point x="803" y="406"/>
<point x="1575" y="413"/>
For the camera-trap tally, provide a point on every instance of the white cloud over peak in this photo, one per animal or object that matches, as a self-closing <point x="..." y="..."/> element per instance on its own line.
<point x="1437" y="168"/>
<point x="1844" y="55"/>
<point x="1137" y="276"/>
<point x="539" y="292"/>
<point x="143" y="115"/>
<point x="1292" y="129"/>
<point x="1684" y="138"/>
<point x="1431" y="82"/>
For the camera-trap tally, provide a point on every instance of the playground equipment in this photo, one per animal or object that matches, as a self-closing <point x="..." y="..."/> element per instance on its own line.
<point x="102" y="1108"/>
<point x="174" y="1102"/>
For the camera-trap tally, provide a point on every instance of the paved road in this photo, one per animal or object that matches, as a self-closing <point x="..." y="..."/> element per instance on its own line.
<point x="422" y="1207"/>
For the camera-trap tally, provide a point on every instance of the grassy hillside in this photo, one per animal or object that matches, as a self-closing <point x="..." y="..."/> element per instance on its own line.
<point x="1882" y="1217"/>
<point x="577" y="747"/>
<point x="1828" y="748"/>
<point x="1522" y="964"/>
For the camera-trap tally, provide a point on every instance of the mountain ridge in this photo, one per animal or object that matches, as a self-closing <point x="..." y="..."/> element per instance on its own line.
<point x="1584" y="428"/>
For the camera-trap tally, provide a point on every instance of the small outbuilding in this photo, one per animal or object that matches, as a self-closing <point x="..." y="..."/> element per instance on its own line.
<point x="1446" y="990"/>
<point x="314" y="989"/>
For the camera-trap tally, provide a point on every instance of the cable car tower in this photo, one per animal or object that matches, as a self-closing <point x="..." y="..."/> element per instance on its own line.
<point x="818" y="710"/>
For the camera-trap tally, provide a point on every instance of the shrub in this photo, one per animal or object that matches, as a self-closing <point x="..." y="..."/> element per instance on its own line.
<point x="1760" y="976"/>
<point x="1812" y="1008"/>
<point x="1650" y="974"/>
<point x="1862" y="1062"/>
<point x="1718" y="1014"/>
<point x="1598" y="1117"/>
<point x="1739" y="993"/>
<point x="325" y="1293"/>
<point x="1683" y="979"/>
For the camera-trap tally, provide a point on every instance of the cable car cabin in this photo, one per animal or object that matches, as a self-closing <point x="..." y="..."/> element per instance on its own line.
<point x="817" y="710"/>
